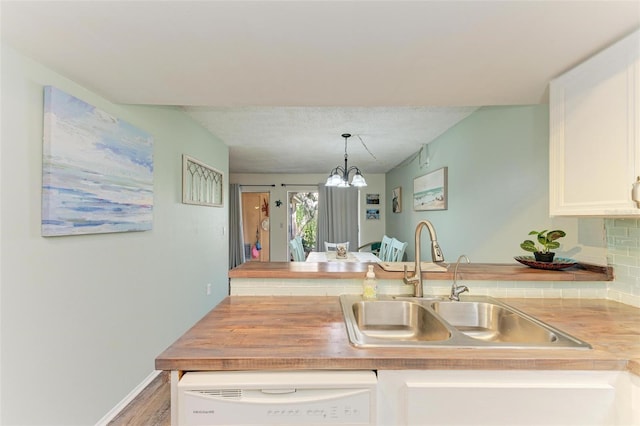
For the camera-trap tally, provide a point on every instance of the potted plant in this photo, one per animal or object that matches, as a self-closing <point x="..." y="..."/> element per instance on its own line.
<point x="546" y="242"/>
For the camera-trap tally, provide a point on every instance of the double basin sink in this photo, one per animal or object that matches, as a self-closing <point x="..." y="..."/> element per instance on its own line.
<point x="475" y="321"/>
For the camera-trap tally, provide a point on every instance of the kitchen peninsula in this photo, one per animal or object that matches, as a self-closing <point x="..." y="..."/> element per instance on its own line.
<point x="499" y="280"/>
<point x="308" y="333"/>
<point x="306" y="330"/>
<point x="286" y="316"/>
<point x="470" y="271"/>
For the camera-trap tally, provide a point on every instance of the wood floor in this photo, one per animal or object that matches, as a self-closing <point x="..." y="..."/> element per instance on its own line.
<point x="152" y="407"/>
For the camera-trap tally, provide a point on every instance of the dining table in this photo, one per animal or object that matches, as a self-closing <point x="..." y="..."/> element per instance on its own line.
<point x="352" y="256"/>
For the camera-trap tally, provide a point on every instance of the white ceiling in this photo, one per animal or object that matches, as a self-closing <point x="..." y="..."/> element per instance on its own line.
<point x="280" y="81"/>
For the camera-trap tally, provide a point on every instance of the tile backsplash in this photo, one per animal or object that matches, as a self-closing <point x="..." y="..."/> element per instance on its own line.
<point x="333" y="287"/>
<point x="623" y="254"/>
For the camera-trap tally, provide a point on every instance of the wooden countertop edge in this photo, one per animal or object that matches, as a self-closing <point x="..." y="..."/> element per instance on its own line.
<point x="472" y="271"/>
<point x="397" y="364"/>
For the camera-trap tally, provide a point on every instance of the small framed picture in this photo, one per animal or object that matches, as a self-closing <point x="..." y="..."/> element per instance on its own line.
<point x="430" y="191"/>
<point x="373" y="198"/>
<point x="373" y="214"/>
<point x="396" y="200"/>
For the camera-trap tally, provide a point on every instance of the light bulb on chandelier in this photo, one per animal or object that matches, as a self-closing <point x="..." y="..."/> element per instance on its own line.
<point x="339" y="176"/>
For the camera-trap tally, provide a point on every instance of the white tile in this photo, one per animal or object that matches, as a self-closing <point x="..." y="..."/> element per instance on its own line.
<point x="624" y="222"/>
<point x="533" y="293"/>
<point x="570" y="293"/>
<point x="591" y="294"/>
<point x="515" y="292"/>
<point x="552" y="293"/>
<point x="498" y="292"/>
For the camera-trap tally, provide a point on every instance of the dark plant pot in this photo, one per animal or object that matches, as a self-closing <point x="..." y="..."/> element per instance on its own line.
<point x="544" y="257"/>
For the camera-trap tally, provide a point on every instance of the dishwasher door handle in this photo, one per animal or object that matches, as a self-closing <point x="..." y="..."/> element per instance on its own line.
<point x="277" y="391"/>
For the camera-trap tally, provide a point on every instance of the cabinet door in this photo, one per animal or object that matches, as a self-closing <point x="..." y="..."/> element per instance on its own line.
<point x="495" y="398"/>
<point x="595" y="134"/>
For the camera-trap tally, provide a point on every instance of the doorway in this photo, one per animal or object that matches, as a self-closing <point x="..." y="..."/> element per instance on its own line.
<point x="303" y="218"/>
<point x="255" y="226"/>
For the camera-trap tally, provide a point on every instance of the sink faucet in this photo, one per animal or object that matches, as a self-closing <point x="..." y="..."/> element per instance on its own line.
<point x="436" y="257"/>
<point x="456" y="289"/>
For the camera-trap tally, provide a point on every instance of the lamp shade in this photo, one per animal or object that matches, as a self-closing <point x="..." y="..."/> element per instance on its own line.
<point x="358" y="180"/>
<point x="334" y="180"/>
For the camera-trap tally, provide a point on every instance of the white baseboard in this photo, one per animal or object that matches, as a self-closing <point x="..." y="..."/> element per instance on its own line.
<point x="104" y="421"/>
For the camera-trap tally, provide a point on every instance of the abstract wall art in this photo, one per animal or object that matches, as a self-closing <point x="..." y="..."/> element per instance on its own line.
<point x="97" y="170"/>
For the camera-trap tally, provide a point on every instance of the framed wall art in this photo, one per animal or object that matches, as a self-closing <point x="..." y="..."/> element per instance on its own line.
<point x="97" y="170"/>
<point x="373" y="198"/>
<point x="373" y="214"/>
<point x="430" y="191"/>
<point x="396" y="200"/>
<point x="201" y="184"/>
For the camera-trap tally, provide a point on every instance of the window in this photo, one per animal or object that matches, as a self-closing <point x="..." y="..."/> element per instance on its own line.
<point x="303" y="218"/>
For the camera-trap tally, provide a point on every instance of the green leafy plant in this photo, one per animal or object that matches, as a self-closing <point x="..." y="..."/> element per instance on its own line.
<point x="546" y="240"/>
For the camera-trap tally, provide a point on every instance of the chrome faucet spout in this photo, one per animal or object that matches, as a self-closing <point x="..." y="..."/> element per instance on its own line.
<point x="436" y="257"/>
<point x="457" y="290"/>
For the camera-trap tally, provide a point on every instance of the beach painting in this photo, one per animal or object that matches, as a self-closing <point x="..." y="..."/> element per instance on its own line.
<point x="97" y="170"/>
<point x="430" y="191"/>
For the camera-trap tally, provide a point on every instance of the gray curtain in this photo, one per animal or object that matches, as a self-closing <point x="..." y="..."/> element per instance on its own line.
<point x="236" y="239"/>
<point x="337" y="216"/>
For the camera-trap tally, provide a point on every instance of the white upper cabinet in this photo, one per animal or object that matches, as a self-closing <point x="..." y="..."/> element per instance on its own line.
<point x="594" y="149"/>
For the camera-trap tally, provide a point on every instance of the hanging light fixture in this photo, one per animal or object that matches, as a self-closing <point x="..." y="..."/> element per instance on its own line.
<point x="340" y="175"/>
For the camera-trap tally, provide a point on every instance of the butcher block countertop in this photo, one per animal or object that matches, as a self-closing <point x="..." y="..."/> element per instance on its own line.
<point x="472" y="271"/>
<point x="308" y="332"/>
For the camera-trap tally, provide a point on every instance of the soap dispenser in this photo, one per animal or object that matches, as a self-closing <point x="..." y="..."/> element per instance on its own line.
<point x="370" y="286"/>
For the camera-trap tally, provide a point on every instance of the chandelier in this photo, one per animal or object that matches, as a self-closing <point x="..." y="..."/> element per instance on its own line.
<point x="339" y="176"/>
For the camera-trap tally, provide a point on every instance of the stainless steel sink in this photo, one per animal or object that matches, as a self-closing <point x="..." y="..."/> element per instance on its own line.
<point x="397" y="320"/>
<point x="493" y="323"/>
<point x="476" y="321"/>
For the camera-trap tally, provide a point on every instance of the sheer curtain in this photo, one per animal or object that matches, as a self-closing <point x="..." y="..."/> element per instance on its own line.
<point x="337" y="216"/>
<point x="236" y="239"/>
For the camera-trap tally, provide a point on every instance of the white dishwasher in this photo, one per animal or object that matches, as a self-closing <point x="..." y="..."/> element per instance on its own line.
<point x="268" y="398"/>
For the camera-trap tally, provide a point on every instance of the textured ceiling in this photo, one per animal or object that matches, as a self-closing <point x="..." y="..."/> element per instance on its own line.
<point x="279" y="81"/>
<point x="308" y="139"/>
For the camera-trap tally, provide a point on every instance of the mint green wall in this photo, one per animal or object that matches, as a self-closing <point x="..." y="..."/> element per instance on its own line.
<point x="83" y="317"/>
<point x="497" y="161"/>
